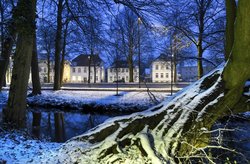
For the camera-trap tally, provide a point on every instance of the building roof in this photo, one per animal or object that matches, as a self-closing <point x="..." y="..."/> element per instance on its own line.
<point x="120" y="64"/>
<point x="163" y="57"/>
<point x="85" y="60"/>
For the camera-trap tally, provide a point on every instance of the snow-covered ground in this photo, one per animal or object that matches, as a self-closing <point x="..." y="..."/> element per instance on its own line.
<point x="17" y="149"/>
<point x="79" y="99"/>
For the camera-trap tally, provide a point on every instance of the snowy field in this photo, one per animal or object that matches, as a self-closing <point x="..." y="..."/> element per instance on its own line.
<point x="126" y="101"/>
<point x="17" y="149"/>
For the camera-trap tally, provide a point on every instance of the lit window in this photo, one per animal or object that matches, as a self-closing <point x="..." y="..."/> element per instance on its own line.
<point x="79" y="78"/>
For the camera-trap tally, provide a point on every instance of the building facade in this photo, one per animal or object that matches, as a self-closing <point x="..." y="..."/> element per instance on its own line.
<point x="120" y="71"/>
<point x="122" y="74"/>
<point x="43" y="71"/>
<point x="87" y="68"/>
<point x="161" y="69"/>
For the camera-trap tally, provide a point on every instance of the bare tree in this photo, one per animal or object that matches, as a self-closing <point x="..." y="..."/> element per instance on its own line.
<point x="15" y="111"/>
<point x="201" y="22"/>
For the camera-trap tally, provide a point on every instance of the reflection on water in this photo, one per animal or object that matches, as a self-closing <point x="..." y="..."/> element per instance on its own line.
<point x="60" y="126"/>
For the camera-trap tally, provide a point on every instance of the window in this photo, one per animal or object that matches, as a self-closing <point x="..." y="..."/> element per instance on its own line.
<point x="91" y="77"/>
<point x="111" y="70"/>
<point x="135" y="70"/>
<point x="157" y="67"/>
<point x="126" y="78"/>
<point x="44" y="70"/>
<point x="96" y="78"/>
<point x="85" y="79"/>
<point x="85" y="70"/>
<point x="79" y="70"/>
<point x="79" y="78"/>
<point x="166" y="75"/>
<point x="161" y="75"/>
<point x="122" y="69"/>
<point x="126" y="69"/>
<point x="162" y="67"/>
<point x="73" y="78"/>
<point x="156" y="75"/>
<point x="74" y="70"/>
<point x="110" y="78"/>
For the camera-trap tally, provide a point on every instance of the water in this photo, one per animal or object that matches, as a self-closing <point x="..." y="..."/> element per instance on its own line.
<point x="61" y="126"/>
<point x="58" y="126"/>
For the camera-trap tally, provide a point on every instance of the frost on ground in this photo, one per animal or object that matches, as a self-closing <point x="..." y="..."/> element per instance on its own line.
<point x="18" y="149"/>
<point x="126" y="101"/>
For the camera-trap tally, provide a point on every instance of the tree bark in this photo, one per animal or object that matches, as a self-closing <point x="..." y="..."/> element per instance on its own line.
<point x="231" y="15"/>
<point x="178" y="130"/>
<point x="15" y="112"/>
<point x="130" y="67"/>
<point x="58" y="45"/>
<point x="200" y="37"/>
<point x="63" y="53"/>
<point x="36" y="90"/>
<point x="48" y="65"/>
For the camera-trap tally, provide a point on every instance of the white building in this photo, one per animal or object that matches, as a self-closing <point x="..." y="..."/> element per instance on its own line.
<point x="80" y="69"/>
<point x="120" y="71"/>
<point x="161" y="69"/>
<point x="43" y="71"/>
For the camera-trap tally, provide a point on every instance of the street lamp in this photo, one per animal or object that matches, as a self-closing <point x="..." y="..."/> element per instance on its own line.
<point x="139" y="52"/>
<point x="89" y="58"/>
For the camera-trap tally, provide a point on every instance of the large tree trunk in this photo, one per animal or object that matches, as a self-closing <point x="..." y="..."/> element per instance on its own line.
<point x="48" y="65"/>
<point x="130" y="68"/>
<point x="177" y="130"/>
<point x="231" y="15"/>
<point x="58" y="45"/>
<point x="63" y="54"/>
<point x="24" y="15"/>
<point x="35" y="70"/>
